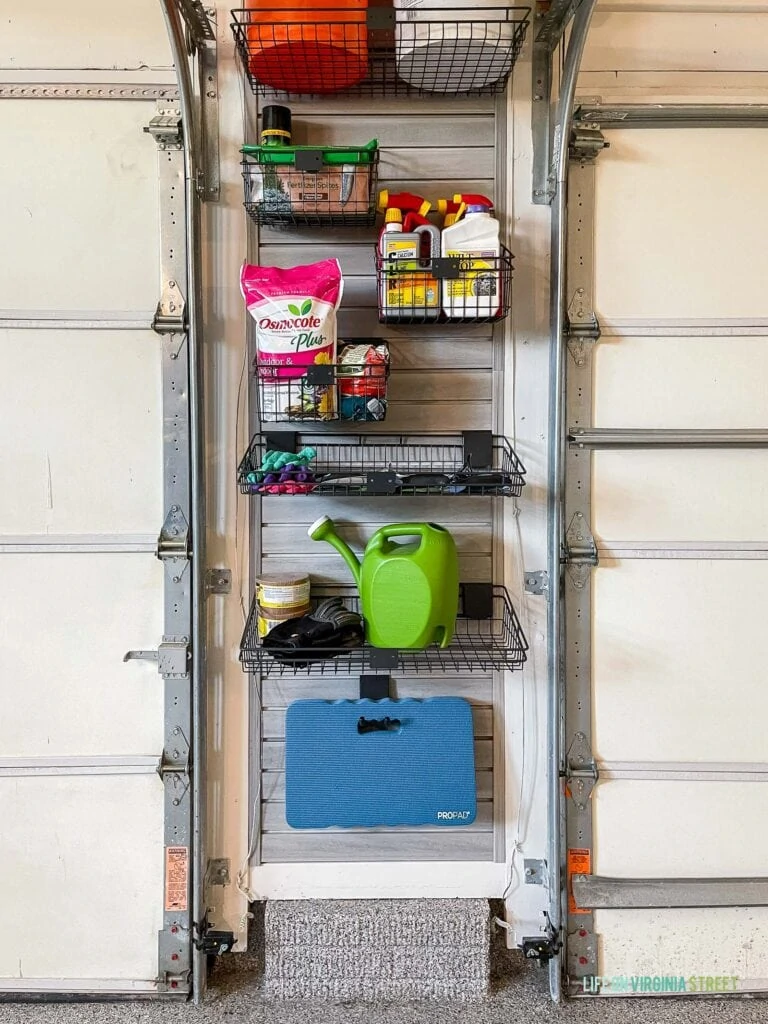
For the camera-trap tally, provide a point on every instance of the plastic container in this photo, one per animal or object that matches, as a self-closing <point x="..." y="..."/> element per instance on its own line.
<point x="406" y="287"/>
<point x="454" y="47"/>
<point x="304" y="46"/>
<point x="287" y="184"/>
<point x="477" y="292"/>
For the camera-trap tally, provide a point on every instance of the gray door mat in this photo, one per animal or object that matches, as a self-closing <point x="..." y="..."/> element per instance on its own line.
<point x="377" y="950"/>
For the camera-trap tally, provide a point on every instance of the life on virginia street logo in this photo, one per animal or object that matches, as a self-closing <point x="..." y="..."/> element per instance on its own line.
<point x="629" y="983"/>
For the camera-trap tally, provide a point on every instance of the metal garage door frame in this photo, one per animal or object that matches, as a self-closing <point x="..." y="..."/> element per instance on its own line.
<point x="574" y="551"/>
<point x="188" y="171"/>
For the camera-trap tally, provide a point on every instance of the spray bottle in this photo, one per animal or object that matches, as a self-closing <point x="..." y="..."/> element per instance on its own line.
<point x="407" y="289"/>
<point x="408" y="202"/>
<point x="476" y="294"/>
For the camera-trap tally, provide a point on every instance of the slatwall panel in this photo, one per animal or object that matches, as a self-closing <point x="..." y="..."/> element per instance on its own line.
<point x="442" y="380"/>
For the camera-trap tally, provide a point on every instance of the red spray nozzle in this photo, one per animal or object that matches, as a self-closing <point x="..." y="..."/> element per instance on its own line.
<point x="405" y="201"/>
<point x="414" y="220"/>
<point x="473" y="199"/>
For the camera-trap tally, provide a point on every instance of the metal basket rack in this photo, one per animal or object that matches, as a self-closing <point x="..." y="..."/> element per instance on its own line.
<point x="379" y="51"/>
<point x="474" y="463"/>
<point x="488" y="637"/>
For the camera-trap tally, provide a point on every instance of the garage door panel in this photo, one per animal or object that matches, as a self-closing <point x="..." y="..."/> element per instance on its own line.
<point x="39" y="34"/>
<point x="676" y="41"/>
<point x="665" y="225"/>
<point x="83" y="176"/>
<point x="679" y="829"/>
<point x="678" y="660"/>
<point x="680" y="496"/>
<point x="65" y="627"/>
<point x="75" y="851"/>
<point x="105" y="439"/>
<point x="687" y="943"/>
<point x="694" y="382"/>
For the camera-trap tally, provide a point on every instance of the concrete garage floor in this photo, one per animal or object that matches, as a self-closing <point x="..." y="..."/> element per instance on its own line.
<point x="519" y="996"/>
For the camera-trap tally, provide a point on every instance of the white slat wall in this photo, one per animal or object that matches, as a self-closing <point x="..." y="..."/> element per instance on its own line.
<point x="442" y="380"/>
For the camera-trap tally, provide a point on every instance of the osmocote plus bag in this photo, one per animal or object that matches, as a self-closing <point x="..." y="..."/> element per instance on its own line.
<point x="295" y="314"/>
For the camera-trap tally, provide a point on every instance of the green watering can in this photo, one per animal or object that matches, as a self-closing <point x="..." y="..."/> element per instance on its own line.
<point x="409" y="592"/>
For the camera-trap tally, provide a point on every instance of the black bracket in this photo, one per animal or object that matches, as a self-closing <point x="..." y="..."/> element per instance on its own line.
<point x="446" y="268"/>
<point x="380" y="19"/>
<point x="309" y="160"/>
<point x="382" y="482"/>
<point x="319" y="375"/>
<point x="383" y="657"/>
<point x="210" y="941"/>
<point x="478" y="448"/>
<point x="281" y="441"/>
<point x="541" y="948"/>
<point x="374" y="687"/>
<point x="477" y="600"/>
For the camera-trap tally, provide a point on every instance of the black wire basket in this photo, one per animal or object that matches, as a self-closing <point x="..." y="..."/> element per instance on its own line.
<point x="488" y="637"/>
<point x="348" y="392"/>
<point x="444" y="290"/>
<point x="311" y="193"/>
<point x="476" y="463"/>
<point x="377" y="51"/>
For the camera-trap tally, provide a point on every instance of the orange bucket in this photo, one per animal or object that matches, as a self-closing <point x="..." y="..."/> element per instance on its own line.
<point x="304" y="46"/>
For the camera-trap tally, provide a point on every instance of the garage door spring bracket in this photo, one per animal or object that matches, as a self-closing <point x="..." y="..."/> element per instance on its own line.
<point x="582" y="328"/>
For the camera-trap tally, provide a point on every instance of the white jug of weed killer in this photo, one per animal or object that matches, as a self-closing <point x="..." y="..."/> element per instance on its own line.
<point x="476" y="293"/>
<point x="456" y="46"/>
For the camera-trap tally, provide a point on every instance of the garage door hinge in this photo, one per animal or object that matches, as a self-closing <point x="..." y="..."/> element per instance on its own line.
<point x="581" y="774"/>
<point x="587" y="141"/>
<point x="173" y="767"/>
<point x="173" y="541"/>
<point x="166" y="128"/>
<point x="169" y="316"/>
<point x="211" y="941"/>
<point x="171" y="657"/>
<point x="580" y="551"/>
<point x="582" y="327"/>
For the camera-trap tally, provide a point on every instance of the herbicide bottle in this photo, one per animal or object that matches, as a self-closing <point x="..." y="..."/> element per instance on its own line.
<point x="407" y="289"/>
<point x="474" y="240"/>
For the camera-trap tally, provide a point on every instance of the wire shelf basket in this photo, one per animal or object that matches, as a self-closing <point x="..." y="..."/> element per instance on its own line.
<point x="377" y="51"/>
<point x="444" y="290"/>
<point x="352" y="392"/>
<point x="476" y="463"/>
<point x="488" y="637"/>
<point x="326" y="196"/>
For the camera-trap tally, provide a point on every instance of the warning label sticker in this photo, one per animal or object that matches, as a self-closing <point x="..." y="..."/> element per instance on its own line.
<point x="176" y="877"/>
<point x="579" y="863"/>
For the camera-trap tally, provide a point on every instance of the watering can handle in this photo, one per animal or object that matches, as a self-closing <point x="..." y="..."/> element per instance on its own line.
<point x="399" y="530"/>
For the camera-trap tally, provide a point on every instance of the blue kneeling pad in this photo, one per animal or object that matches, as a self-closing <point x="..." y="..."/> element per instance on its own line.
<point x="379" y="762"/>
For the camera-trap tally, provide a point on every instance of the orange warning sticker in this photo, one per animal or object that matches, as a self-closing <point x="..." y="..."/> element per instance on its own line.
<point x="579" y="863"/>
<point x="176" y="877"/>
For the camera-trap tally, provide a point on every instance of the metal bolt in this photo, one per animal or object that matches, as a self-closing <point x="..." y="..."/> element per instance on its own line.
<point x="176" y="803"/>
<point x="211" y="94"/>
<point x="582" y="933"/>
<point x="175" y="508"/>
<point x="176" y="579"/>
<point x="175" y="753"/>
<point x="171" y="284"/>
<point x="530" y="872"/>
<point x="174" y="956"/>
<point x="174" y="929"/>
<point x="174" y="355"/>
<point x="583" y="960"/>
<point x="176" y="731"/>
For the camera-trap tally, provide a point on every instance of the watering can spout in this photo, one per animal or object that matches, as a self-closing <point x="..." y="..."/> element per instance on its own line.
<point x="324" y="529"/>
